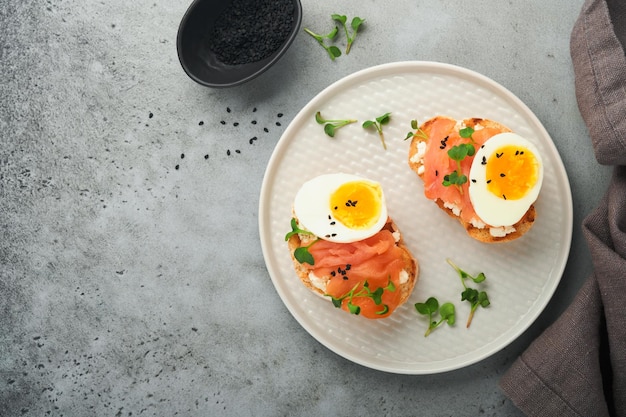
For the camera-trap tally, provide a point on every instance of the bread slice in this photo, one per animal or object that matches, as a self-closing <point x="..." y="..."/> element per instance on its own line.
<point x="482" y="234"/>
<point x="410" y="264"/>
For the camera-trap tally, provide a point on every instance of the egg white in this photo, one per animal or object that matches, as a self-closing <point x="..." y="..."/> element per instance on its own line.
<point x="312" y="208"/>
<point x="495" y="210"/>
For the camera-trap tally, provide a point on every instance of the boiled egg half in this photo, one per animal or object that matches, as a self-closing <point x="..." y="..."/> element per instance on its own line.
<point x="505" y="179"/>
<point x="340" y="207"/>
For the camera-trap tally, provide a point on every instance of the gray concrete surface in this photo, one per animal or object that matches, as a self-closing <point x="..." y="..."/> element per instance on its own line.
<point x="131" y="277"/>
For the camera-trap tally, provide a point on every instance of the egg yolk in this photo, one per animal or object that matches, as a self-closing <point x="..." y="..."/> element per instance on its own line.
<point x="356" y="204"/>
<point x="511" y="172"/>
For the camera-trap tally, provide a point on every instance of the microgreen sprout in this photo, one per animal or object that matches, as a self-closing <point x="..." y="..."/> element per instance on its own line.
<point x="467" y="133"/>
<point x="417" y="131"/>
<point x="378" y="125"/>
<point x="332" y="50"/>
<point x="364" y="292"/>
<point x="301" y="253"/>
<point x="473" y="296"/>
<point x="355" y="24"/>
<point x="431" y="309"/>
<point x="330" y="126"/>
<point x="458" y="153"/>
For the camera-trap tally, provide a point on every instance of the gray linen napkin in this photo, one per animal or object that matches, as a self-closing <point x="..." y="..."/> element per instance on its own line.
<point x="577" y="367"/>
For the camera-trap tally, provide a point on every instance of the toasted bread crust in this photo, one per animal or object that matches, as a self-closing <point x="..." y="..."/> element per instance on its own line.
<point x="480" y="234"/>
<point x="410" y="265"/>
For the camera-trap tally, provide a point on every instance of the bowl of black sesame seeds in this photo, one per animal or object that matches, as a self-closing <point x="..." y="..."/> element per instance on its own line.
<point x="224" y="43"/>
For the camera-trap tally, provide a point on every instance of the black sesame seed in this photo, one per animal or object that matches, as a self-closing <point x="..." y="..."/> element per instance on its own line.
<point x="253" y="122"/>
<point x="237" y="150"/>
<point x="521" y="153"/>
<point x="206" y="156"/>
<point x="150" y="115"/>
<point x="278" y="124"/>
<point x="200" y="123"/>
<point x="484" y="161"/>
<point x="266" y="130"/>
<point x="279" y="115"/>
<point x="177" y="167"/>
<point x="348" y="266"/>
<point x="516" y="153"/>
<point x="182" y="156"/>
<point x="333" y="223"/>
<point x="333" y="235"/>
<point x="502" y="175"/>
<point x="488" y="181"/>
<point x="254" y="110"/>
<point x="228" y="109"/>
<point x="228" y="152"/>
<point x="223" y="122"/>
<point x="436" y="173"/>
<point x="329" y="217"/>
<point x="252" y="140"/>
<point x="236" y="124"/>
<point x="474" y="181"/>
<point x="503" y="196"/>
<point x="498" y="155"/>
<point x="332" y="273"/>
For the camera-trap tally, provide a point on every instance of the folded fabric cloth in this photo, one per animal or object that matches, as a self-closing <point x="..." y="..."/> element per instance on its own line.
<point x="577" y="367"/>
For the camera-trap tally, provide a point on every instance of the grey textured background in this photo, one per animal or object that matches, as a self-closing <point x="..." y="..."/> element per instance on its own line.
<point x="131" y="276"/>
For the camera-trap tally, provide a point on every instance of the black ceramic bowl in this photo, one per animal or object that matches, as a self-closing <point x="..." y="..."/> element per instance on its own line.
<point x="223" y="43"/>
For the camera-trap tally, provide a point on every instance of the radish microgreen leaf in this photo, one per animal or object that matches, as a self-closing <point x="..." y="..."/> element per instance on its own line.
<point x="378" y="125"/>
<point x="475" y="297"/>
<point x="354" y="24"/>
<point x="458" y="153"/>
<point x="332" y="50"/>
<point x="301" y="253"/>
<point x="364" y="292"/>
<point x="445" y="313"/>
<point x="418" y="131"/>
<point x="330" y="125"/>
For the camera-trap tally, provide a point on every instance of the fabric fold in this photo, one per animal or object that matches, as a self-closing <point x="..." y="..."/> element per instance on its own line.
<point x="577" y="367"/>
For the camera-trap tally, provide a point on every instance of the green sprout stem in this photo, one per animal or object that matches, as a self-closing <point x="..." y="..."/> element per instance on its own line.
<point x="331" y="125"/>
<point x="333" y="51"/>
<point x="301" y="253"/>
<point x="354" y="24"/>
<point x="473" y="296"/>
<point x="378" y="125"/>
<point x="416" y="132"/>
<point x="431" y="309"/>
<point x="364" y="292"/>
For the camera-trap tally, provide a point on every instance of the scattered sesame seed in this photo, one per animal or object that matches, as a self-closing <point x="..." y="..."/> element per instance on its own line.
<point x="200" y="123"/>
<point x="279" y="115"/>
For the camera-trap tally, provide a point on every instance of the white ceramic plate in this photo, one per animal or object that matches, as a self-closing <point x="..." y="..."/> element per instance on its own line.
<point x="521" y="275"/>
